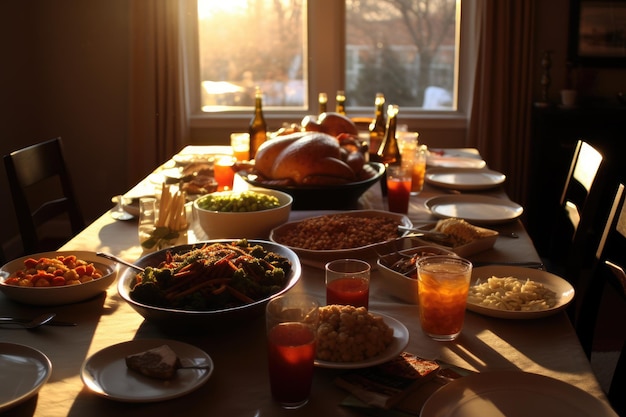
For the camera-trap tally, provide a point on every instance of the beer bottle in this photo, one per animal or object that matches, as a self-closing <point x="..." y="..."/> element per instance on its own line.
<point x="258" y="128"/>
<point x="389" y="151"/>
<point x="340" y="106"/>
<point x="322" y="98"/>
<point x="378" y="127"/>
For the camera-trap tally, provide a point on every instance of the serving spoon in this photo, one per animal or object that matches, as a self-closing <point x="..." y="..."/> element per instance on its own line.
<point x="34" y="323"/>
<point x="119" y="260"/>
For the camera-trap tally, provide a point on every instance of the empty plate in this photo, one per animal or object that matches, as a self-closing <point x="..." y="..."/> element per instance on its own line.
<point x="24" y="371"/>
<point x="512" y="393"/>
<point x="476" y="209"/>
<point x="464" y="178"/>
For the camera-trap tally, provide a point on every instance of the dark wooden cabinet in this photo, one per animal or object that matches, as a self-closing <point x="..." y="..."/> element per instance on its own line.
<point x="555" y="133"/>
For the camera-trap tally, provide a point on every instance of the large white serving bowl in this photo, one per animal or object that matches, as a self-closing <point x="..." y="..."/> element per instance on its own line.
<point x="404" y="286"/>
<point x="67" y="294"/>
<point x="184" y="320"/>
<point x="249" y="225"/>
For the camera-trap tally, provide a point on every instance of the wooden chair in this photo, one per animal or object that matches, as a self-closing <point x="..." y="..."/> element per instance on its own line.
<point x="583" y="201"/>
<point x="607" y="274"/>
<point x="29" y="170"/>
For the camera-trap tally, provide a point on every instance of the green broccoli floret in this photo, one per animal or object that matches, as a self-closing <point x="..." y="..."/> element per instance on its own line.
<point x="149" y="293"/>
<point x="278" y="261"/>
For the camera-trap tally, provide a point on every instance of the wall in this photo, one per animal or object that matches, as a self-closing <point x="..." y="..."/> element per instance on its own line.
<point x="65" y="73"/>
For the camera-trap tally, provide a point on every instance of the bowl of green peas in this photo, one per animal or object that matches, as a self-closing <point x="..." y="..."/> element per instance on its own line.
<point x="249" y="214"/>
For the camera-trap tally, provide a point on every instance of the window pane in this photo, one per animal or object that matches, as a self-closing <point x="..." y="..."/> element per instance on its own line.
<point x="406" y="49"/>
<point x="245" y="43"/>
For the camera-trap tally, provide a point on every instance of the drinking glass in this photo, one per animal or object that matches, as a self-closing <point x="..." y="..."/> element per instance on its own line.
<point x="223" y="171"/>
<point x="348" y="282"/>
<point x="442" y="287"/>
<point x="418" y="169"/>
<point x="240" y="143"/>
<point x="398" y="188"/>
<point x="147" y="218"/>
<point x="291" y="321"/>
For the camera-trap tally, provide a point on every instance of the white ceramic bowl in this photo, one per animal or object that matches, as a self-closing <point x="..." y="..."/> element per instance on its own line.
<point x="249" y="225"/>
<point x="400" y="285"/>
<point x="67" y="294"/>
<point x="183" y="320"/>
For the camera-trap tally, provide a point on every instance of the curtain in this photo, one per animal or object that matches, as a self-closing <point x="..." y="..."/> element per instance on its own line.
<point x="500" y="115"/>
<point x="158" y="125"/>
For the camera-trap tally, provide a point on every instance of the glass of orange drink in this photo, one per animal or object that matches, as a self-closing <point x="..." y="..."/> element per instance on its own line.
<point x="442" y="285"/>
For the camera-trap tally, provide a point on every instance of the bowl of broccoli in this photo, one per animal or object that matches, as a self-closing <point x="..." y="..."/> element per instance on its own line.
<point x="209" y="284"/>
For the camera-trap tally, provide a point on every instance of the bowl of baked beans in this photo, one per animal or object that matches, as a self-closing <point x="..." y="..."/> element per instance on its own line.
<point x="57" y="278"/>
<point x="362" y="234"/>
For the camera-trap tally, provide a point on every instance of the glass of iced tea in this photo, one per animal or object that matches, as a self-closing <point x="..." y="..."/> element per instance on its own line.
<point x="292" y="321"/>
<point x="348" y="282"/>
<point x="442" y="287"/>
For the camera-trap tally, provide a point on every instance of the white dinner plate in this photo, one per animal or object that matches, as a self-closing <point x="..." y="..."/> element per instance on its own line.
<point x="476" y="209"/>
<point x="399" y="343"/>
<point x="23" y="371"/>
<point x="454" y="159"/>
<point x="464" y="178"/>
<point x="563" y="289"/>
<point x="106" y="374"/>
<point x="512" y="394"/>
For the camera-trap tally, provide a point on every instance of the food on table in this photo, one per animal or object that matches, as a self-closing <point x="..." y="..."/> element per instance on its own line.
<point x="339" y="231"/>
<point x="312" y="158"/>
<point x="351" y="334"/>
<point x="461" y="232"/>
<point x="407" y="266"/>
<point x="238" y="202"/>
<point x="54" y="272"/>
<point x="213" y="277"/>
<point x="513" y="294"/>
<point x="331" y="123"/>
<point x="160" y="362"/>
<point x="200" y="184"/>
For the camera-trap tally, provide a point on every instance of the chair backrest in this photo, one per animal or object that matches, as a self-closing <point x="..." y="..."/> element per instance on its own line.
<point x="583" y="201"/>
<point x="583" y="171"/>
<point x="25" y="169"/>
<point x="606" y="274"/>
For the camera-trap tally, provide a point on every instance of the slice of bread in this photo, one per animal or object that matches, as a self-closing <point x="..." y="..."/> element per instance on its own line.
<point x="160" y="362"/>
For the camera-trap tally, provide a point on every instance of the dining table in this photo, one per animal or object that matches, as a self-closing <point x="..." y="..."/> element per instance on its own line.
<point x="239" y="383"/>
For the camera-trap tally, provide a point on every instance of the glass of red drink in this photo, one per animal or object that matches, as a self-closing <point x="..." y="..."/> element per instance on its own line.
<point x="398" y="188"/>
<point x="224" y="173"/>
<point x="442" y="287"/>
<point x="348" y="282"/>
<point x="292" y="321"/>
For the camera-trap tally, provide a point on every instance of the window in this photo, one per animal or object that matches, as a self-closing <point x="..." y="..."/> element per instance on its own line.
<point x="360" y="46"/>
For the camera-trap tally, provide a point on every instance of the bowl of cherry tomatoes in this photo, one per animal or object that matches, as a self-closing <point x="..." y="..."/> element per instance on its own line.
<point x="56" y="278"/>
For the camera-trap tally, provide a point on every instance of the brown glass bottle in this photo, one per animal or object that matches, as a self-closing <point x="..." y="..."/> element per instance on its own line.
<point x="258" y="127"/>
<point x="340" y="99"/>
<point x="378" y="127"/>
<point x="322" y="99"/>
<point x="389" y="151"/>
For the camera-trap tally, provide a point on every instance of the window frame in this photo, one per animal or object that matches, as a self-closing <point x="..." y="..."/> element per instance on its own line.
<point x="326" y="50"/>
